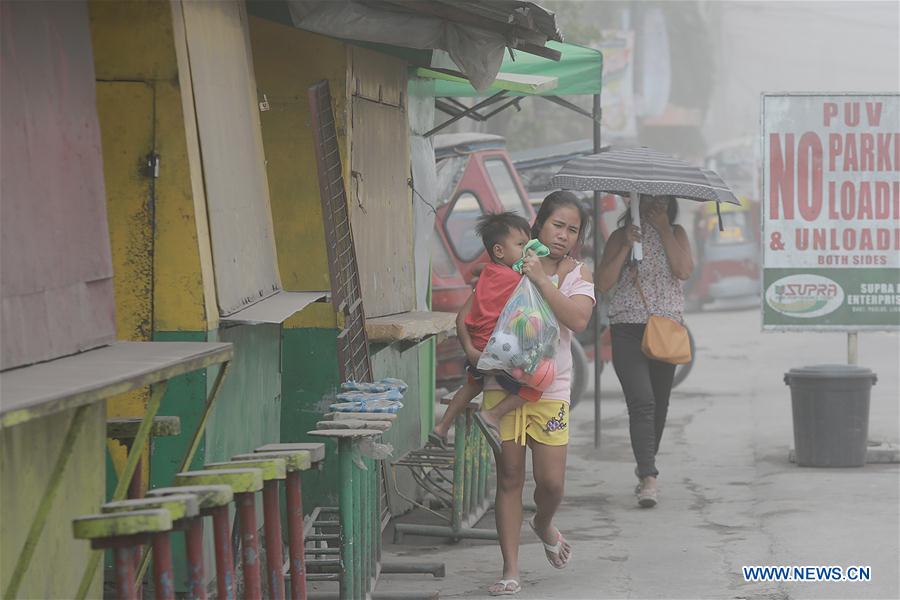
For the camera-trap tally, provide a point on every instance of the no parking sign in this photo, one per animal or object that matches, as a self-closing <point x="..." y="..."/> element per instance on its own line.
<point x="831" y="211"/>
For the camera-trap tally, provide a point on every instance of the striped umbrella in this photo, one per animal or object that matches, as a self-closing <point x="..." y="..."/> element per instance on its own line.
<point x="642" y="171"/>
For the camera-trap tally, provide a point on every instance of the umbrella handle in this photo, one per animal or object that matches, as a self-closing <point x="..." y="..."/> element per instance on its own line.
<point x="637" y="249"/>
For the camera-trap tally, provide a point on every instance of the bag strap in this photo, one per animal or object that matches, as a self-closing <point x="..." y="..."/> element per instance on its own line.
<point x="637" y="284"/>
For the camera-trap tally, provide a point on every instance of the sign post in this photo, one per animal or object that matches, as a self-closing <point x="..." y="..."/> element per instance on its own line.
<point x="831" y="213"/>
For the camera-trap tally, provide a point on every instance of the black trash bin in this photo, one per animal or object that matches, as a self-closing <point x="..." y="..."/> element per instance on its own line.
<point x="830" y="404"/>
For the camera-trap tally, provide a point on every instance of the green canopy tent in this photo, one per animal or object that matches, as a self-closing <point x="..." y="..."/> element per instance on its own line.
<point x="579" y="71"/>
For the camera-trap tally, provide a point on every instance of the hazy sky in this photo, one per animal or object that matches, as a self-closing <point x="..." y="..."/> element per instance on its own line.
<point x="799" y="46"/>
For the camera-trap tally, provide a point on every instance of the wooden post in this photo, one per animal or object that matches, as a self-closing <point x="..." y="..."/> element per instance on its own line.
<point x="852" y="347"/>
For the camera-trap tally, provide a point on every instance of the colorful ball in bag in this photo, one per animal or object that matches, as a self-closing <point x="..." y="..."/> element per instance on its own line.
<point x="543" y="376"/>
<point x="503" y="348"/>
<point x="518" y="374"/>
<point x="527" y="324"/>
<point x="517" y="322"/>
<point x="534" y="325"/>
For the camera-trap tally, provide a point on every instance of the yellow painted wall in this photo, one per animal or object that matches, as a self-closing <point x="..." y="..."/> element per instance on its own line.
<point x="125" y="112"/>
<point x="135" y="41"/>
<point x="287" y="61"/>
<point x="28" y="453"/>
<point x="161" y="260"/>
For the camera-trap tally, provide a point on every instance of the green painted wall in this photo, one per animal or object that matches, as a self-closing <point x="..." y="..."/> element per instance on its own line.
<point x="27" y="455"/>
<point x="185" y="397"/>
<point x="406" y="433"/>
<point x="309" y="380"/>
<point x="247" y="413"/>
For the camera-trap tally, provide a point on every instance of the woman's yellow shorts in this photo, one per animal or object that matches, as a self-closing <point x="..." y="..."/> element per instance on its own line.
<point x="545" y="421"/>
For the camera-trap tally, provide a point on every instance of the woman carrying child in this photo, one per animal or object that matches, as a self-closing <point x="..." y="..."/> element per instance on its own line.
<point x="504" y="236"/>
<point x="543" y="425"/>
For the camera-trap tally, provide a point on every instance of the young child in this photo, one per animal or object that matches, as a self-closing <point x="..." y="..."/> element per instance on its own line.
<point x="504" y="236"/>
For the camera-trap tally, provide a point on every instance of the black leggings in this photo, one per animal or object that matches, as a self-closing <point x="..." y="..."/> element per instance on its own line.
<point x="647" y="384"/>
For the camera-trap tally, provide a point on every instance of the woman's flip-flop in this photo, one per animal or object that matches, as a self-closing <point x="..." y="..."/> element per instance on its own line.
<point x="505" y="587"/>
<point x="553" y="551"/>
<point x="490" y="431"/>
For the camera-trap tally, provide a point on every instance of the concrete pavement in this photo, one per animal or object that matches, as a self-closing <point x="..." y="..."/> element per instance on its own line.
<point x="729" y="497"/>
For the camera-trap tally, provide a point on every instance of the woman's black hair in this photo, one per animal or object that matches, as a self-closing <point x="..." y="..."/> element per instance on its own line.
<point x="557" y="200"/>
<point x="671" y="210"/>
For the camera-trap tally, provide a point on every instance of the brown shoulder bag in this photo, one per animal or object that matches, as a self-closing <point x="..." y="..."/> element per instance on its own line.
<point x="664" y="339"/>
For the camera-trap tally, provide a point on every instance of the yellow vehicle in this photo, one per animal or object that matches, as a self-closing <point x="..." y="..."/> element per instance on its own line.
<point x="728" y="260"/>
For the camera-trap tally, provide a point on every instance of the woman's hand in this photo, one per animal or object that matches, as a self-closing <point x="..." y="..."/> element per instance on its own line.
<point x="632" y="235"/>
<point x="533" y="269"/>
<point x="658" y="217"/>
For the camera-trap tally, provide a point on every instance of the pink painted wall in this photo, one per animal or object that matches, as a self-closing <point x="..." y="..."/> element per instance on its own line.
<point x="55" y="266"/>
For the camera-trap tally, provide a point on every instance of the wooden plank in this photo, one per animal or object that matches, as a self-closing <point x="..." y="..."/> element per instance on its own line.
<point x="47" y="388"/>
<point x="121" y="524"/>
<point x="410" y="326"/>
<point x="240" y="480"/>
<point x="354" y="424"/>
<point x="380" y="200"/>
<point x="345" y="433"/>
<point x="316" y="450"/>
<point x="350" y="416"/>
<point x="275" y="309"/>
<point x="297" y="460"/>
<point x="237" y="191"/>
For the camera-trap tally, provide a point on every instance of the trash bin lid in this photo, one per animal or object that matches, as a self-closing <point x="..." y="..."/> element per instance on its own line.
<point x="831" y="372"/>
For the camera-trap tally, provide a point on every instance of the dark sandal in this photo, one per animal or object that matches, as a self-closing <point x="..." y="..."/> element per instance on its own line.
<point x="435" y="440"/>
<point x="491" y="433"/>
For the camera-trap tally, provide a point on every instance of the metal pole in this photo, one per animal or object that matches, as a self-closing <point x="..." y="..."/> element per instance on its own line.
<point x="345" y="501"/>
<point x="124" y="565"/>
<point x="162" y="567"/>
<point x="193" y="537"/>
<point x="460" y="428"/>
<point x="598" y="254"/>
<point x="852" y="347"/>
<point x="246" y="507"/>
<point x="294" y="501"/>
<point x="359" y="569"/>
<point x="224" y="560"/>
<point x="272" y="529"/>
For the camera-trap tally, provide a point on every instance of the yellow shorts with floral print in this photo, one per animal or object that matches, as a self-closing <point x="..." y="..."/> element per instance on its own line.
<point x="545" y="421"/>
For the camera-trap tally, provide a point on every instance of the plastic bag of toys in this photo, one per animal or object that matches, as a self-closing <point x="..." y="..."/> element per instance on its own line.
<point x="525" y="340"/>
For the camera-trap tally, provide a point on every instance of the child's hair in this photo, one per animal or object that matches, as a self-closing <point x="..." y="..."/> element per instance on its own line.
<point x="556" y="200"/>
<point x="493" y="228"/>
